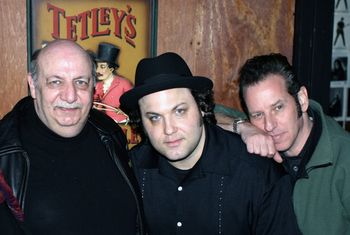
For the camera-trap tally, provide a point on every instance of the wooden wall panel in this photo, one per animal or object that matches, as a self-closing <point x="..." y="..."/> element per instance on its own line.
<point x="216" y="37"/>
<point x="13" y="53"/>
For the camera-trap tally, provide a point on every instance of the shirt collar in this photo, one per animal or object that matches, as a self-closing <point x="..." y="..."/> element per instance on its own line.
<point x="209" y="162"/>
<point x="307" y="151"/>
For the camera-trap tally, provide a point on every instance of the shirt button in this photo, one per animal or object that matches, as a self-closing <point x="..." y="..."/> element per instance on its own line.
<point x="295" y="168"/>
<point x="179" y="224"/>
<point x="179" y="188"/>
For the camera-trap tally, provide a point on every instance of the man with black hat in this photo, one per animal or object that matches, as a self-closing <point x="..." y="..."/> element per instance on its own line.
<point x="111" y="85"/>
<point x="195" y="177"/>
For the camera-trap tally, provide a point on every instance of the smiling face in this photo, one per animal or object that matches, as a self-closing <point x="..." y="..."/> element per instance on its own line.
<point x="272" y="109"/>
<point x="64" y="88"/>
<point x="173" y="124"/>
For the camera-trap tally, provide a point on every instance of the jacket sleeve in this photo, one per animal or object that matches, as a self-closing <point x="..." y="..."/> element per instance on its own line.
<point x="276" y="213"/>
<point x="11" y="215"/>
<point x="8" y="223"/>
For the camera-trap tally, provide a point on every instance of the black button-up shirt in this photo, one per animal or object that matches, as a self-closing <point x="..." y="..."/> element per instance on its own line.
<point x="228" y="191"/>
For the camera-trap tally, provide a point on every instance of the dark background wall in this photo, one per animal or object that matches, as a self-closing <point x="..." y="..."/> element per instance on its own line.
<point x="312" y="54"/>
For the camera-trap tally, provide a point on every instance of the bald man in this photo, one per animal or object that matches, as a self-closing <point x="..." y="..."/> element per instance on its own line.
<point x="64" y="165"/>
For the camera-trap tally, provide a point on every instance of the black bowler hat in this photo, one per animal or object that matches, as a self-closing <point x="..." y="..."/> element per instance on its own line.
<point x="163" y="72"/>
<point x="107" y="53"/>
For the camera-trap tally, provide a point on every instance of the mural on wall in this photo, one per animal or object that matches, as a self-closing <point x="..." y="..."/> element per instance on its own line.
<point x="116" y="33"/>
<point x="110" y="86"/>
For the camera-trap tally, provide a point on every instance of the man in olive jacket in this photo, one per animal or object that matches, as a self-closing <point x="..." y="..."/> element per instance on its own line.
<point x="289" y="127"/>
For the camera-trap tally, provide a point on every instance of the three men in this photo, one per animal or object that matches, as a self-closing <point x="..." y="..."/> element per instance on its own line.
<point x="196" y="178"/>
<point x="65" y="163"/>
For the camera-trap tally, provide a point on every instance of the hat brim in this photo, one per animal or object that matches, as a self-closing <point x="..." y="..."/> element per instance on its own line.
<point x="129" y="100"/>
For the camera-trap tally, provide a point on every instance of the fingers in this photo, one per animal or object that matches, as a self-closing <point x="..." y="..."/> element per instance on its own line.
<point x="259" y="142"/>
<point x="277" y="157"/>
<point x="261" y="145"/>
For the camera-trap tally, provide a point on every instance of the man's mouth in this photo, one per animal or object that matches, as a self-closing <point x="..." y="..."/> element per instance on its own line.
<point x="173" y="143"/>
<point x="277" y="137"/>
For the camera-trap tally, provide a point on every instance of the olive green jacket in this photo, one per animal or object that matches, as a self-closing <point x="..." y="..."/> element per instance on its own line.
<point x="322" y="201"/>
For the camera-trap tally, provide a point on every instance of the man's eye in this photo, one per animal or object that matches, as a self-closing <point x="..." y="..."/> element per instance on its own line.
<point x="82" y="83"/>
<point x="154" y="118"/>
<point x="54" y="83"/>
<point x="279" y="107"/>
<point x="256" y="115"/>
<point x="180" y="111"/>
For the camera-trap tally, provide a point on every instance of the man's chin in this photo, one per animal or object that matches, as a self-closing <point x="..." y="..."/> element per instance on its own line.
<point x="67" y="123"/>
<point x="281" y="148"/>
<point x="68" y="131"/>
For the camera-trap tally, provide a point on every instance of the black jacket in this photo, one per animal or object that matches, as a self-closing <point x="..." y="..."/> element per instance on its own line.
<point x="15" y="163"/>
<point x="228" y="191"/>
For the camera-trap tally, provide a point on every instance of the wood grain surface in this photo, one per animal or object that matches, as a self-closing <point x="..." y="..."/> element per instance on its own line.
<point x="13" y="53"/>
<point x="215" y="37"/>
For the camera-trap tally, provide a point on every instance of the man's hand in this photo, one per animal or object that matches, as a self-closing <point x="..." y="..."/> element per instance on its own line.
<point x="258" y="142"/>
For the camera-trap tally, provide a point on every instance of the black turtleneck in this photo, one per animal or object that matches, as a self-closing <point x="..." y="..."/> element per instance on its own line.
<point x="73" y="187"/>
<point x="295" y="165"/>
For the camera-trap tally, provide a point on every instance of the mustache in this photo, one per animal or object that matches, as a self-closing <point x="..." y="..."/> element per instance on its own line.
<point x="99" y="74"/>
<point x="65" y="105"/>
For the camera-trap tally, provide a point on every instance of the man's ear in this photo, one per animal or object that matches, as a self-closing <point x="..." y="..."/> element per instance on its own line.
<point x="31" y="85"/>
<point x="303" y="99"/>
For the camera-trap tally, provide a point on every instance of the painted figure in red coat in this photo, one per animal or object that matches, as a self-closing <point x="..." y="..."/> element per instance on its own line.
<point x="110" y="85"/>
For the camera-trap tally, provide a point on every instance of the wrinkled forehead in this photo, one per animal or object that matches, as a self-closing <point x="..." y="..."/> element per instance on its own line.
<point x="60" y="57"/>
<point x="266" y="92"/>
<point x="167" y="98"/>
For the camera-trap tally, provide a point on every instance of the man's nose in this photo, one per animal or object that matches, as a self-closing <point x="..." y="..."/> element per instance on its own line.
<point x="69" y="93"/>
<point x="169" y="126"/>
<point x="270" y="123"/>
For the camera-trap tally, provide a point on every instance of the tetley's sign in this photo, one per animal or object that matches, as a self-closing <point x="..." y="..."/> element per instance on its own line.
<point x="94" y="22"/>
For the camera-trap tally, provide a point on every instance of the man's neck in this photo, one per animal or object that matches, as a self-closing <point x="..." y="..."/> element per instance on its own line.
<point x="302" y="137"/>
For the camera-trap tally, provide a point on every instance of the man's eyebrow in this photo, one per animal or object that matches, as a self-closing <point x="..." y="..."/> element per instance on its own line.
<point x="62" y="78"/>
<point x="177" y="106"/>
<point x="172" y="109"/>
<point x="277" y="102"/>
<point x="53" y="76"/>
<point x="83" y="77"/>
<point x="152" y="113"/>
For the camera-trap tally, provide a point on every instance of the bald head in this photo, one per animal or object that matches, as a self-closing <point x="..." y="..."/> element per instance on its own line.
<point x="59" y="49"/>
